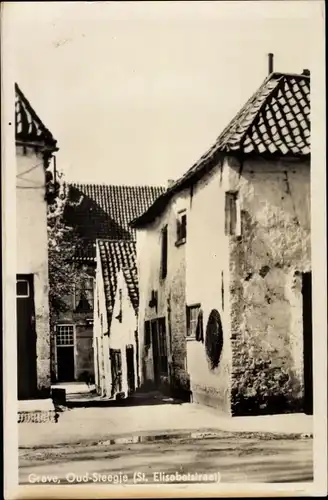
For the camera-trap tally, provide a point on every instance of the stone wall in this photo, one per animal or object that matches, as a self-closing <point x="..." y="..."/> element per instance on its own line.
<point x="266" y="263"/>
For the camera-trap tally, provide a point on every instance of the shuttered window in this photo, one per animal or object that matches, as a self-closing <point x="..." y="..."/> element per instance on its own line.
<point x="232" y="214"/>
<point x="164" y="253"/>
<point x="181" y="228"/>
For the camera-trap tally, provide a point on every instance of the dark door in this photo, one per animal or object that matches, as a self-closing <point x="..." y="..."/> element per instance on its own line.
<point x="116" y="370"/>
<point x="307" y="342"/>
<point x="130" y="368"/>
<point x="26" y="338"/>
<point x="65" y="353"/>
<point x="65" y="363"/>
<point x="159" y="349"/>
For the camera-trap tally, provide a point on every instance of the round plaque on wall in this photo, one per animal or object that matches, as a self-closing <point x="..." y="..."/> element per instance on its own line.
<point x="214" y="339"/>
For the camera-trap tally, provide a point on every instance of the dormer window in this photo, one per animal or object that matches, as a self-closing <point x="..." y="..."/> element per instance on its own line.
<point x="181" y="228"/>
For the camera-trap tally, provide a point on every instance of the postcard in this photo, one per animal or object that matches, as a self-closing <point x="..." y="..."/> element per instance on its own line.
<point x="164" y="258"/>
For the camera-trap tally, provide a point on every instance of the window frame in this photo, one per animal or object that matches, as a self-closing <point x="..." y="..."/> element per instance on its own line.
<point x="232" y="220"/>
<point x="189" y="308"/>
<point x="66" y="325"/>
<point x="181" y="239"/>
<point x="77" y="293"/>
<point x="26" y="296"/>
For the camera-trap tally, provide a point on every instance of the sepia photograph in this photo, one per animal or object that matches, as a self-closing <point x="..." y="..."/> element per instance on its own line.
<point x="164" y="248"/>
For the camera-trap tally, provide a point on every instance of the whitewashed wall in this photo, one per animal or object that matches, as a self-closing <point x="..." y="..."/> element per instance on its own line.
<point x="32" y="247"/>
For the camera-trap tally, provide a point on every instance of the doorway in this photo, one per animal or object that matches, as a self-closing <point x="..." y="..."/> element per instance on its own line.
<point x="307" y="342"/>
<point x="26" y="338"/>
<point x="158" y="332"/>
<point x="65" y="353"/>
<point x="130" y="368"/>
<point x="116" y="371"/>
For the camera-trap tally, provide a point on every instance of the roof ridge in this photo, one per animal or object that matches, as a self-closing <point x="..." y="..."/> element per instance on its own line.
<point x="117" y="240"/>
<point x="301" y="76"/>
<point x="103" y="184"/>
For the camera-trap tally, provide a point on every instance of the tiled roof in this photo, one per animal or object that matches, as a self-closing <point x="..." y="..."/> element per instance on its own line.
<point x="116" y="256"/>
<point x="274" y="122"/>
<point x="28" y="126"/>
<point x="105" y="212"/>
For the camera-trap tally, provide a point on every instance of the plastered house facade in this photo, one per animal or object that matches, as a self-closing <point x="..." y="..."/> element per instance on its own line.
<point x="115" y="320"/>
<point x="35" y="147"/>
<point x="235" y="299"/>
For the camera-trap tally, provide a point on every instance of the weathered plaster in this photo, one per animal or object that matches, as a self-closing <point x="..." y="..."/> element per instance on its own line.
<point x="266" y="308"/>
<point x="252" y="279"/>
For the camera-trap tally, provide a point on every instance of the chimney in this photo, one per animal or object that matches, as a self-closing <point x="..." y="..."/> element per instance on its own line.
<point x="270" y="61"/>
<point x="170" y="182"/>
<point x="306" y="72"/>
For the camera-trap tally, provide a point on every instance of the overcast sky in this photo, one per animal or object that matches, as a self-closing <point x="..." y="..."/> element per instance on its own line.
<point x="136" y="92"/>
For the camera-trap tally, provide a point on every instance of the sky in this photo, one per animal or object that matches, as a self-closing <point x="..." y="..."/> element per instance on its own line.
<point x="136" y="92"/>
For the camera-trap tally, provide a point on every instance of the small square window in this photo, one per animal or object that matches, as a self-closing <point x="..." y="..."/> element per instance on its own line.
<point x="65" y="335"/>
<point x="22" y="289"/>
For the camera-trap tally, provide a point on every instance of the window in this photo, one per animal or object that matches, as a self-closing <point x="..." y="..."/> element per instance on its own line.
<point x="84" y="293"/>
<point x="181" y="228"/>
<point x="147" y="334"/>
<point x="232" y="215"/>
<point x="164" y="253"/>
<point x="194" y="322"/>
<point x="22" y="289"/>
<point x="65" y="335"/>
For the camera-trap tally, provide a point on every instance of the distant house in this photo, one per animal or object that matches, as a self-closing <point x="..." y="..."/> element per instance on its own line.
<point x="96" y="212"/>
<point x="35" y="187"/>
<point x="115" y="319"/>
<point x="224" y="263"/>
